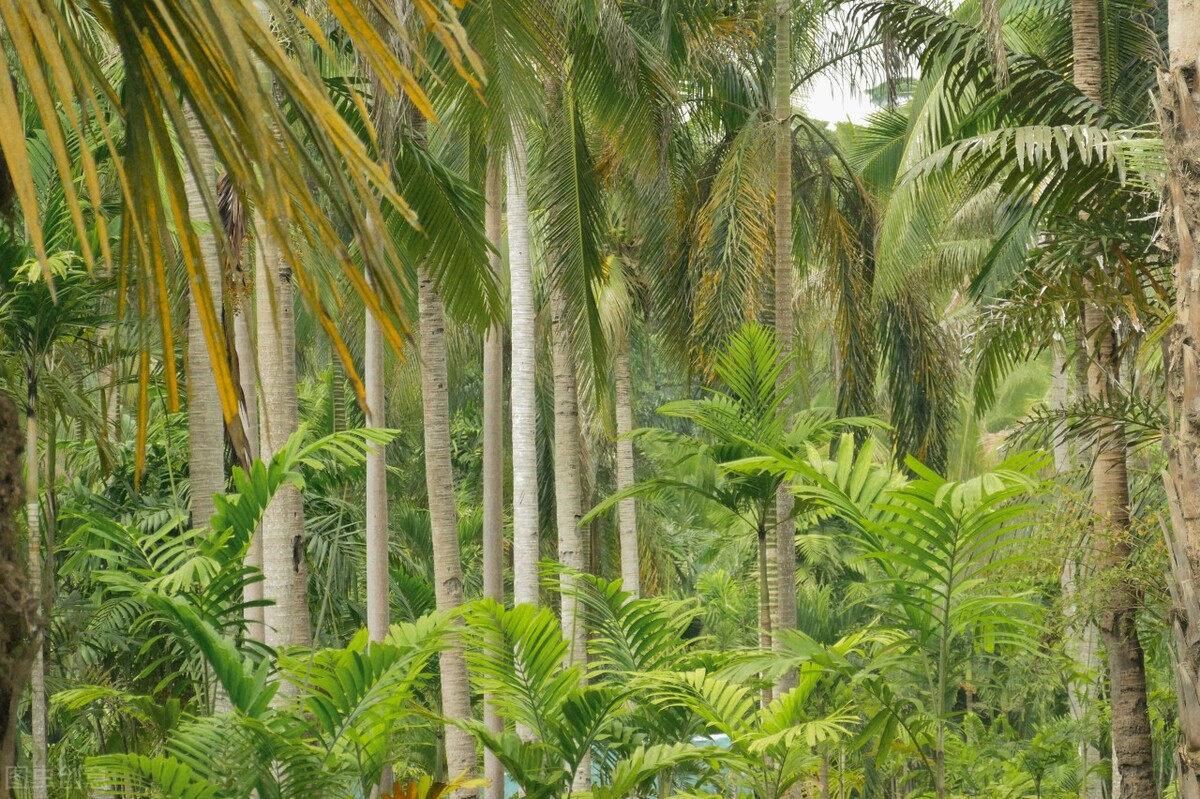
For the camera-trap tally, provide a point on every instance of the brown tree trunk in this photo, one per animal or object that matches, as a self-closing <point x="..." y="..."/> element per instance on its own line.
<point x="18" y="619"/>
<point x="1131" y="733"/>
<point x="443" y="519"/>
<point x="1132" y="742"/>
<point x="785" y="525"/>
<point x="1179" y="89"/>
<point x="37" y="699"/>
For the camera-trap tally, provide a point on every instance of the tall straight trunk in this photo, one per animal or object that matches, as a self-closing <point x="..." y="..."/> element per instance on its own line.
<point x="1132" y="742"/>
<point x="566" y="470"/>
<point x="631" y="575"/>
<point x="243" y="344"/>
<point x="764" y="597"/>
<point x="785" y="525"/>
<point x="18" y="634"/>
<point x="1131" y="733"/>
<point x="493" y="459"/>
<point x="285" y="573"/>
<point x="1180" y="122"/>
<point x="378" y="593"/>
<point x="567" y="488"/>
<point x="206" y="424"/>
<point x="1081" y="643"/>
<point x="37" y="571"/>
<point x="443" y="519"/>
<point x="524" y="380"/>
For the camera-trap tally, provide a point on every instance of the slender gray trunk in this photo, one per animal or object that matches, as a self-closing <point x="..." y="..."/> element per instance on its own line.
<point x="243" y="343"/>
<point x="377" y="584"/>
<point x="443" y="519"/>
<point x="631" y="579"/>
<point x="285" y="573"/>
<point x="524" y="380"/>
<point x="493" y="460"/>
<point x="206" y="423"/>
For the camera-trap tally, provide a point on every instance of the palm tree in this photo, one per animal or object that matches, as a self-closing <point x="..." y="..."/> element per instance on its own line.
<point x="1178" y="117"/>
<point x="443" y="517"/>
<point x="1132" y="742"/>
<point x="168" y="54"/>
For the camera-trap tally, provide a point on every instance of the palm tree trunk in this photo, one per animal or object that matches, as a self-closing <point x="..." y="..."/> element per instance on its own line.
<point x="378" y="593"/>
<point x="37" y="699"/>
<point x="524" y="381"/>
<point x="631" y="574"/>
<point x="243" y="344"/>
<point x="1132" y="742"/>
<point x="493" y="460"/>
<point x="443" y="518"/>
<point x="567" y="502"/>
<point x="1179" y="118"/>
<point x="18" y="642"/>
<point x="785" y="526"/>
<point x="566" y="470"/>
<point x="1080" y="634"/>
<point x="206" y="424"/>
<point x="1131" y="734"/>
<point x="285" y="573"/>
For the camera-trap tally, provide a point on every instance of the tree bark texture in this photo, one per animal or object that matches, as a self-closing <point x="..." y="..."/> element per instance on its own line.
<point x="19" y="622"/>
<point x="285" y="573"/>
<point x="1179" y="118"/>
<point x="493" y="458"/>
<point x="524" y="380"/>
<point x="1131" y="735"/>
<point x="631" y="574"/>
<point x="443" y="519"/>
<point x="206" y="422"/>
<point x="785" y="526"/>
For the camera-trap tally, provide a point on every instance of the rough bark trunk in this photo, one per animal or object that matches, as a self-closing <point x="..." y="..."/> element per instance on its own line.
<point x="566" y="471"/>
<point x="1132" y="742"/>
<point x="493" y="460"/>
<point x="18" y="616"/>
<point x="524" y="381"/>
<point x="631" y="576"/>
<point x="243" y="343"/>
<point x="378" y="594"/>
<point x="443" y="518"/>
<point x="37" y="698"/>
<point x="1180" y="123"/>
<point x="1131" y="733"/>
<point x="785" y="526"/>
<point x="567" y="502"/>
<point x="285" y="573"/>
<point x="1081" y="644"/>
<point x="206" y="423"/>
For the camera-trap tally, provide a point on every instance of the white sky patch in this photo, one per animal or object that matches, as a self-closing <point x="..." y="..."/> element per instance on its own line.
<point x="833" y="100"/>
